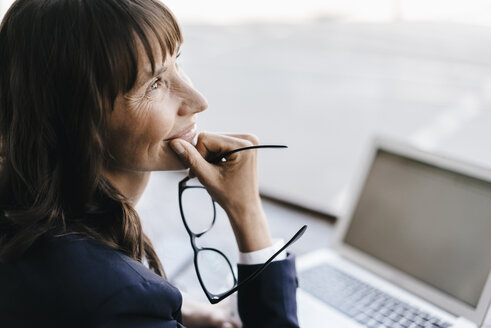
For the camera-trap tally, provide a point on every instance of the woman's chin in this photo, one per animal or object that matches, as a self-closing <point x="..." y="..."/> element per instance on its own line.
<point x="171" y="163"/>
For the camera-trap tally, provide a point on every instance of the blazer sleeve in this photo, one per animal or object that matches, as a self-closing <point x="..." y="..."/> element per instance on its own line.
<point x="144" y="305"/>
<point x="269" y="300"/>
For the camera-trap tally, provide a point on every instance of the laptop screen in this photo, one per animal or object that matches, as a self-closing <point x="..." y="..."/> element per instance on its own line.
<point x="431" y="223"/>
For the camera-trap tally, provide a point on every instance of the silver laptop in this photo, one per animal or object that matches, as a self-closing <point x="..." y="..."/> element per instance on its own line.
<point x="413" y="251"/>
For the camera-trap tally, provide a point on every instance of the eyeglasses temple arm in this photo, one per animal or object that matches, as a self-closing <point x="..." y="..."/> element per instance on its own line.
<point x="217" y="160"/>
<point x="264" y="265"/>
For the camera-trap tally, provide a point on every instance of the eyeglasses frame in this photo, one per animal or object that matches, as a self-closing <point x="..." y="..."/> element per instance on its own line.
<point x="216" y="298"/>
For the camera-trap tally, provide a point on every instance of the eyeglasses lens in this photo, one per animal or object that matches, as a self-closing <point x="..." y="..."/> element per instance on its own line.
<point x="215" y="271"/>
<point x="198" y="209"/>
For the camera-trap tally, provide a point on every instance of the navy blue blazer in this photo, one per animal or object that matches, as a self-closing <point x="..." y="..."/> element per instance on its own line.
<point x="73" y="281"/>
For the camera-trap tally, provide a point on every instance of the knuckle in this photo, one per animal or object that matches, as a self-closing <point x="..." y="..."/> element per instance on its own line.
<point x="203" y="136"/>
<point x="253" y="139"/>
<point x="245" y="143"/>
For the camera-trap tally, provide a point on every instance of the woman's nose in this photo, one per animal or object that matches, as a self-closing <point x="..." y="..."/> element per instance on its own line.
<point x="199" y="102"/>
<point x="192" y="100"/>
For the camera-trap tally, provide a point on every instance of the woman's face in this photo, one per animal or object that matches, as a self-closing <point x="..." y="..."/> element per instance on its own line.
<point x="160" y="107"/>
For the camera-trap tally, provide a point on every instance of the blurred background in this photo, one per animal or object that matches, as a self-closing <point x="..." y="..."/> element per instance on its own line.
<point x="324" y="77"/>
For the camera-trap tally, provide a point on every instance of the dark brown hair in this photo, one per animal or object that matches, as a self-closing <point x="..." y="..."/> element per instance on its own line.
<point x="62" y="64"/>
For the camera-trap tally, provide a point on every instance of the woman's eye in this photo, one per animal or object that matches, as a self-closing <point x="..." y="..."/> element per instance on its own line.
<point x="155" y="85"/>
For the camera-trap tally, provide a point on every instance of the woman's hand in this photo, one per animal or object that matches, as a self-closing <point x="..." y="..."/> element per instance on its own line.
<point x="202" y="315"/>
<point x="233" y="184"/>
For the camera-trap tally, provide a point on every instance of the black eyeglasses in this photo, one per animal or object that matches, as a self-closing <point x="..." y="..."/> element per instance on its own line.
<point x="214" y="270"/>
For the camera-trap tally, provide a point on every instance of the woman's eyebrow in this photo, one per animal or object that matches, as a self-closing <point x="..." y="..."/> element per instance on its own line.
<point x="149" y="75"/>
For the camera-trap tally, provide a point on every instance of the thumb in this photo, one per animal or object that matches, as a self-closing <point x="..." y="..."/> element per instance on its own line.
<point x="189" y="156"/>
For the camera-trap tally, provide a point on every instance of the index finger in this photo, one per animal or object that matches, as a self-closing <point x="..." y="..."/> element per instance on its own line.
<point x="212" y="145"/>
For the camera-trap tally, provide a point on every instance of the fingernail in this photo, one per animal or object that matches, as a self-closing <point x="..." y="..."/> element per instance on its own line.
<point x="178" y="147"/>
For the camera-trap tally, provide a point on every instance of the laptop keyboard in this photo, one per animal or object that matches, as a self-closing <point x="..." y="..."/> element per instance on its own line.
<point x="365" y="304"/>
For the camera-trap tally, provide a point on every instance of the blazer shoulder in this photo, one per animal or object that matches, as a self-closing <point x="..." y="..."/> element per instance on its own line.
<point x="92" y="265"/>
<point x="77" y="275"/>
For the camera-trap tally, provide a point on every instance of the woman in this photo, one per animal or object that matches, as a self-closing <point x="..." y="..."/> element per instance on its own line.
<point x="91" y="101"/>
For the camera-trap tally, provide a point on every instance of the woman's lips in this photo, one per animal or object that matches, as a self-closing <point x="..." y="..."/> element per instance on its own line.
<point x="189" y="134"/>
